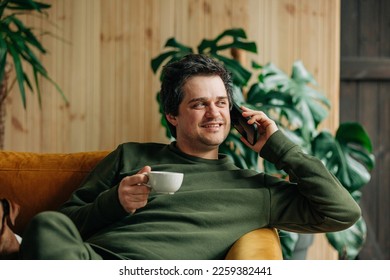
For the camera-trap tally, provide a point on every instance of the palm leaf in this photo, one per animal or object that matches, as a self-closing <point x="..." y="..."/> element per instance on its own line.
<point x="27" y="5"/>
<point x="26" y="34"/>
<point x="19" y="73"/>
<point x="3" y="6"/>
<point x="3" y="57"/>
<point x="21" y="43"/>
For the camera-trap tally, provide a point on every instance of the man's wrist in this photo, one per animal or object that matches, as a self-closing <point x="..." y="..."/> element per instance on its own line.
<point x="276" y="146"/>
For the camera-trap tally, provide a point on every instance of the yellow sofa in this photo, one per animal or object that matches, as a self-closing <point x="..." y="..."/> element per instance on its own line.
<point x="39" y="182"/>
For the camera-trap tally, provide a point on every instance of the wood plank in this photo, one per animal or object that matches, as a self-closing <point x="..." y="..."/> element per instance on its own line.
<point x="159" y="26"/>
<point x="107" y="76"/>
<point x="369" y="28"/>
<point x="372" y="249"/>
<point x="93" y="93"/>
<point x="365" y="99"/>
<point x="365" y="68"/>
<point x="382" y="168"/>
<point x="349" y="40"/>
<point x="131" y="71"/>
<point x="384" y="43"/>
<point x="78" y="85"/>
<point x="348" y="101"/>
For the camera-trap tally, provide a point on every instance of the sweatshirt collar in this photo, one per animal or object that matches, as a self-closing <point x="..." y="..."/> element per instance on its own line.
<point x="222" y="158"/>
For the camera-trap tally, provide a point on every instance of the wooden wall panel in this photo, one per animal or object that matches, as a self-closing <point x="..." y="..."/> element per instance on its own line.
<point x="104" y="69"/>
<point x="304" y="30"/>
<point x="365" y="98"/>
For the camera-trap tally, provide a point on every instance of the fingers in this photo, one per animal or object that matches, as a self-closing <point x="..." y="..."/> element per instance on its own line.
<point x="144" y="169"/>
<point x="132" y="193"/>
<point x="134" y="197"/>
<point x="265" y="126"/>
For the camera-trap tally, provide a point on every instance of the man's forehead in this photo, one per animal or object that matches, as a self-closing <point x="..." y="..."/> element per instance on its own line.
<point x="204" y="87"/>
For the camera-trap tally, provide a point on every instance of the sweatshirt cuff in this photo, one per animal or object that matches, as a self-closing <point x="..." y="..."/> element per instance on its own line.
<point x="276" y="146"/>
<point x="109" y="205"/>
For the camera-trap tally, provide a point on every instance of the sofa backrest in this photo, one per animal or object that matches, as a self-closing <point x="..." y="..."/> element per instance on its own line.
<point x="38" y="182"/>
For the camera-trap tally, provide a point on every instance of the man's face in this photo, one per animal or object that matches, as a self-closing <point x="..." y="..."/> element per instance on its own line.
<point x="203" y="121"/>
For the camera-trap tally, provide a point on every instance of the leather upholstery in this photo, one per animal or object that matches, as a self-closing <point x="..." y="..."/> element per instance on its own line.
<point x="38" y="182"/>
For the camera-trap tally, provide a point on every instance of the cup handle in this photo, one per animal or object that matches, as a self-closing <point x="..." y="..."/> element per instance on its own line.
<point x="146" y="184"/>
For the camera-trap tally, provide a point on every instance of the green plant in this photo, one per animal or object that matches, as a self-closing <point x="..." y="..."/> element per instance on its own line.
<point x="298" y="108"/>
<point x="19" y="41"/>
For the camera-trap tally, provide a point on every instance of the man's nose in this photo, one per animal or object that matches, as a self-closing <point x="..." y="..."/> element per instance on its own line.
<point x="212" y="111"/>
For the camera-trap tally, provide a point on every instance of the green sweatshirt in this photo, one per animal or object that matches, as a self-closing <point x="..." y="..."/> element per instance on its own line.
<point x="216" y="204"/>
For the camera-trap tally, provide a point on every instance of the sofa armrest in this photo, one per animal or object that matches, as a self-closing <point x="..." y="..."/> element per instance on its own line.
<point x="38" y="181"/>
<point x="259" y="244"/>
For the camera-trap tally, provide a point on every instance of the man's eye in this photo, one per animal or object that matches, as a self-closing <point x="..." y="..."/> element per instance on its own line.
<point x="221" y="103"/>
<point x="198" y="105"/>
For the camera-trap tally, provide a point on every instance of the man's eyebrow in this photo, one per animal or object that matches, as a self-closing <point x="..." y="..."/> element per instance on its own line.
<point x="203" y="99"/>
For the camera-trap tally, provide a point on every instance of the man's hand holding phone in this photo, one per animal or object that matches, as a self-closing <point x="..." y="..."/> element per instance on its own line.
<point x="255" y="126"/>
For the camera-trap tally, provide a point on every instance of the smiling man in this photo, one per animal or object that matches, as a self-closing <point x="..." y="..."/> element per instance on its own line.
<point x="114" y="215"/>
<point x="203" y="120"/>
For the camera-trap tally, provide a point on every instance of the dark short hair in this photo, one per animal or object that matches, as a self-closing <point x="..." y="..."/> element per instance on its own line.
<point x="175" y="75"/>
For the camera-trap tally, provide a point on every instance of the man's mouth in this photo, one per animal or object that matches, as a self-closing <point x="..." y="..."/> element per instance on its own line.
<point x="212" y="125"/>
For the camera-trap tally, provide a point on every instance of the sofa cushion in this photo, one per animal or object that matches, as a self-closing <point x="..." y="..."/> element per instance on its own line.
<point x="38" y="181"/>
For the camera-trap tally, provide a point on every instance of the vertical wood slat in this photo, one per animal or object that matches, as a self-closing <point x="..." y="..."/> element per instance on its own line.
<point x="383" y="164"/>
<point x="368" y="92"/>
<point x="107" y="75"/>
<point x="366" y="100"/>
<point x="105" y="71"/>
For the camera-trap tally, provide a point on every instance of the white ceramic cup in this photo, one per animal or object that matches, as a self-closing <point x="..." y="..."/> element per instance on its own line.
<point x="164" y="182"/>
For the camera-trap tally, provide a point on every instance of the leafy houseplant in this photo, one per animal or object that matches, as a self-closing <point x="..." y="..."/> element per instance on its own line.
<point x="20" y="43"/>
<point x="298" y="108"/>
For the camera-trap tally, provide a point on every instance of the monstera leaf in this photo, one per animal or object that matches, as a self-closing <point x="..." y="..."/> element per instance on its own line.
<point x="293" y="100"/>
<point x="178" y="51"/>
<point x="242" y="156"/>
<point x="288" y="240"/>
<point x="348" y="155"/>
<point x="236" y="40"/>
<point x="349" y="242"/>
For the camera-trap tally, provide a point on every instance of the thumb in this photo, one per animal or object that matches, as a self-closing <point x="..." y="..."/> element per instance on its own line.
<point x="145" y="169"/>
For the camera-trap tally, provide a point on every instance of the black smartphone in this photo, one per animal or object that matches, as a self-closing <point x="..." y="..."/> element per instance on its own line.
<point x="240" y="123"/>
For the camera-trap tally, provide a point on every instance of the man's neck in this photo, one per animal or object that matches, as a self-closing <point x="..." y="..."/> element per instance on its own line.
<point x="211" y="153"/>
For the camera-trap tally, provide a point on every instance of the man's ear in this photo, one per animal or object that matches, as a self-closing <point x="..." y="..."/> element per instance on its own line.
<point x="172" y="119"/>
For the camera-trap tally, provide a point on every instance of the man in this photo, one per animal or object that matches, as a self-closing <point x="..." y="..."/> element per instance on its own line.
<point x="114" y="215"/>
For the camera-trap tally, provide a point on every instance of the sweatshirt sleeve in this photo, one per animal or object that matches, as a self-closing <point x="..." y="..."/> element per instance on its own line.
<point x="314" y="200"/>
<point x="96" y="203"/>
